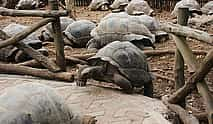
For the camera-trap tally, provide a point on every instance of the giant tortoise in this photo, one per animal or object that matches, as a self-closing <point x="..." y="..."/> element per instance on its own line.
<point x="47" y="32"/>
<point x="208" y="8"/>
<point x="120" y="63"/>
<point x="34" y="103"/>
<point x="77" y="34"/>
<point x="193" y="6"/>
<point x="9" y="53"/>
<point x="99" y="5"/>
<point x="139" y="7"/>
<point x="119" y="5"/>
<point x="123" y="29"/>
<point x="26" y="4"/>
<point x="150" y="22"/>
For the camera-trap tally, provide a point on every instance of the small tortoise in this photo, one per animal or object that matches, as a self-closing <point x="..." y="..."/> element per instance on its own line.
<point x="47" y="32"/>
<point x="122" y="29"/>
<point x="208" y="8"/>
<point x="139" y="7"/>
<point x="34" y="103"/>
<point x="119" y="5"/>
<point x="193" y="6"/>
<point x="99" y="5"/>
<point x="14" y="28"/>
<point x="9" y="53"/>
<point x="26" y="4"/>
<point x="120" y="63"/>
<point x="77" y="34"/>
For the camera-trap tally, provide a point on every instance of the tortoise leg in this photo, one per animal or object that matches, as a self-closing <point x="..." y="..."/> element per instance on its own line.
<point x="148" y="89"/>
<point x="123" y="83"/>
<point x="92" y="44"/>
<point x="86" y="72"/>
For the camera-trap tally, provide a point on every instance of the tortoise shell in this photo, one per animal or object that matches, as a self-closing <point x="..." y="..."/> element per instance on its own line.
<point x="128" y="59"/>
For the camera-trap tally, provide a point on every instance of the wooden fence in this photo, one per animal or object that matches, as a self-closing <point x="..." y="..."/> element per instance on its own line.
<point x="169" y="4"/>
<point x="183" y="55"/>
<point x="155" y="4"/>
<point x="54" y="67"/>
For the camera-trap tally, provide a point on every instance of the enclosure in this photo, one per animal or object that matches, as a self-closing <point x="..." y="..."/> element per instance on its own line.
<point x="185" y="57"/>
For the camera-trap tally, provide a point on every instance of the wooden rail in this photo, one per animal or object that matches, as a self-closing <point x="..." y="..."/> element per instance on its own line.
<point x="197" y="78"/>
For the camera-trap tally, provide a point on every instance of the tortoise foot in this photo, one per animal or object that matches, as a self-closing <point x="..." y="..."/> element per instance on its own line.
<point x="81" y="83"/>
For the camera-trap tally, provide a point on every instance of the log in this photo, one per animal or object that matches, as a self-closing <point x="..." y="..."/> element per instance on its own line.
<point x="35" y="13"/>
<point x="69" y="61"/>
<point x="82" y="56"/>
<point x="57" y="35"/>
<point x="148" y="53"/>
<point x="49" y="64"/>
<point x="30" y="63"/>
<point x="198" y="76"/>
<point x="42" y="73"/>
<point x="179" y="61"/>
<point x="34" y="54"/>
<point x="187" y="54"/>
<point x="184" y="116"/>
<point x="20" y="36"/>
<point x="158" y="52"/>
<point x="187" y="32"/>
<point x="204" y="91"/>
<point x="198" y="79"/>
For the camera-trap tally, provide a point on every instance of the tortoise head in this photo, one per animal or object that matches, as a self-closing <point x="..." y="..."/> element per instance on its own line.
<point x="104" y="7"/>
<point x="45" y="36"/>
<point x="85" y="72"/>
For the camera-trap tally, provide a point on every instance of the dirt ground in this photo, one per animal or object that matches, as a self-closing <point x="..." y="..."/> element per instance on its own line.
<point x="162" y="65"/>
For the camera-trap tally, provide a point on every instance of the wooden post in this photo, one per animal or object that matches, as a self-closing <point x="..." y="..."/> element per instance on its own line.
<point x="36" y="13"/>
<point x="179" y="61"/>
<point x="201" y="85"/>
<point x="187" y="32"/>
<point x="59" y="42"/>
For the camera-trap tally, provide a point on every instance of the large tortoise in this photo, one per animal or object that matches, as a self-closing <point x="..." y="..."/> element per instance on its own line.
<point x="99" y="5"/>
<point x="193" y="6"/>
<point x="26" y="4"/>
<point x="10" y="53"/>
<point x="120" y="63"/>
<point x="150" y="22"/>
<point x="77" y="34"/>
<point x="139" y="7"/>
<point x="122" y="29"/>
<point x="47" y="32"/>
<point x="115" y="15"/>
<point x="34" y="103"/>
<point x="30" y="4"/>
<point x="208" y="8"/>
<point x="119" y="5"/>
